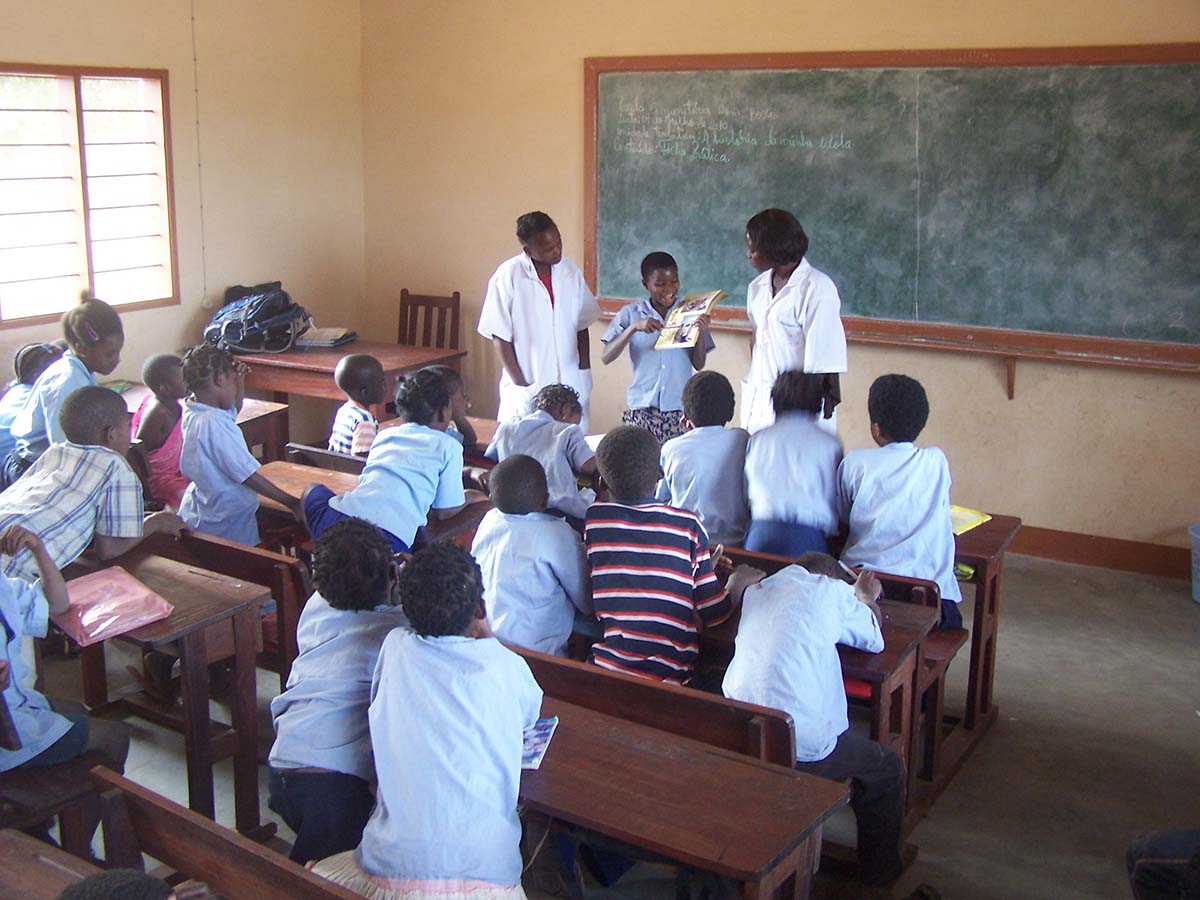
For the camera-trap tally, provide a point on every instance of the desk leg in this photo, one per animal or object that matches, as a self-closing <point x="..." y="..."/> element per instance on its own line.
<point x="983" y="645"/>
<point x="245" y="722"/>
<point x="797" y="867"/>
<point x="95" y="675"/>
<point x="193" y="664"/>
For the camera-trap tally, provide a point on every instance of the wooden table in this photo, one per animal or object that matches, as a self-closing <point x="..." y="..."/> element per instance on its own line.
<point x="215" y="618"/>
<point x="700" y="805"/>
<point x="310" y="372"/>
<point x="262" y="421"/>
<point x="33" y="870"/>
<point x="295" y="477"/>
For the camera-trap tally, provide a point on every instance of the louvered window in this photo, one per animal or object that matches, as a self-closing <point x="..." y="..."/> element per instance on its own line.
<point x="85" y="190"/>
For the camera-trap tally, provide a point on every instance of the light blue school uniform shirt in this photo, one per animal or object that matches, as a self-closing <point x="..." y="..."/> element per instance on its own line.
<point x="791" y="473"/>
<point x="321" y="718"/>
<point x="411" y="468"/>
<point x="448" y="713"/>
<point x="897" y="501"/>
<point x="36" y="426"/>
<point x="658" y="375"/>
<point x="25" y="614"/>
<point x="535" y="575"/>
<point x="704" y="472"/>
<point x="215" y="457"/>
<point x="11" y="403"/>
<point x="785" y="655"/>
<point x="560" y="447"/>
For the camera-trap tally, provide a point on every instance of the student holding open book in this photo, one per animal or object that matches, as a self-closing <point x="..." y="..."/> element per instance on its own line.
<point x="655" y="397"/>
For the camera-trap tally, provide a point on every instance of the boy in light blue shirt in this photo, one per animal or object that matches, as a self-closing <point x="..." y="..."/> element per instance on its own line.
<point x="413" y="471"/>
<point x="449" y="705"/>
<point x="535" y="571"/>
<point x="222" y="499"/>
<point x="321" y="763"/>
<point x="31" y="360"/>
<point x="703" y="470"/>
<point x="896" y="497"/>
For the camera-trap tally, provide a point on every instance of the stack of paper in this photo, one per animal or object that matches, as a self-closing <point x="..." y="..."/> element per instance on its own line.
<point x="326" y="337"/>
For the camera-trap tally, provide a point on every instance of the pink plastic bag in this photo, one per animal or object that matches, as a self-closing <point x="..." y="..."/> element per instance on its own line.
<point x="107" y="603"/>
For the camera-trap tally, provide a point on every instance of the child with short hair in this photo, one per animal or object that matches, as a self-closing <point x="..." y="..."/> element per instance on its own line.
<point x="703" y="470"/>
<point x="896" y="497"/>
<point x="449" y="705"/>
<point x="321" y="763"/>
<point x="786" y="657"/>
<point x="82" y="489"/>
<point x="535" y="573"/>
<point x="158" y="424"/>
<point x="791" y="472"/>
<point x="51" y="731"/>
<point x="655" y="398"/>
<point x="460" y="427"/>
<point x="360" y="377"/>
<point x="653" y="583"/>
<point x="95" y="336"/>
<point x="550" y="433"/>
<point x="28" y="363"/>
<point x="413" y="470"/>
<point x="222" y="499"/>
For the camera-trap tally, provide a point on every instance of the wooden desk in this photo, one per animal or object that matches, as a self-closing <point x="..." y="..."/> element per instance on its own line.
<point x="262" y="421"/>
<point x="215" y="618"/>
<point x="294" y="478"/>
<point x="715" y="809"/>
<point x="310" y="372"/>
<point x="33" y="870"/>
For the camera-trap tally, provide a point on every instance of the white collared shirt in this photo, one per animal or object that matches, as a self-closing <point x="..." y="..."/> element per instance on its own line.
<point x="215" y="457"/>
<point x="785" y="655"/>
<point x="704" y="472"/>
<point x="800" y="328"/>
<point x="658" y="375"/>
<point x="535" y="575"/>
<point x="791" y="473"/>
<point x="321" y="719"/>
<point x="447" y="716"/>
<point x="411" y="469"/>
<point x="561" y="448"/>
<point x="516" y="308"/>
<point x="897" y="501"/>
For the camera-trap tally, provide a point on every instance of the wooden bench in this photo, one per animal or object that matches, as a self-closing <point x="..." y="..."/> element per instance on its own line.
<point x="308" y="455"/>
<point x="756" y="731"/>
<point x="31" y="796"/>
<point x="137" y="821"/>
<point x="285" y="576"/>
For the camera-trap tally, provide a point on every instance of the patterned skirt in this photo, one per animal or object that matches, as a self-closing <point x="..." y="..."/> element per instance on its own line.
<point x="662" y="423"/>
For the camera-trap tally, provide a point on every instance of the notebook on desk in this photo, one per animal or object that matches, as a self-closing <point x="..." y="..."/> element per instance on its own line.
<point x="326" y="337"/>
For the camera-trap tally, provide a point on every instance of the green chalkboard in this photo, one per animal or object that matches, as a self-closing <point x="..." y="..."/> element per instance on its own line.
<point x="1052" y="198"/>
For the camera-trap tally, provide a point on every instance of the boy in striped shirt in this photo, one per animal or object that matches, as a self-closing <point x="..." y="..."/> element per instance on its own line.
<point x="653" y="580"/>
<point x="360" y="377"/>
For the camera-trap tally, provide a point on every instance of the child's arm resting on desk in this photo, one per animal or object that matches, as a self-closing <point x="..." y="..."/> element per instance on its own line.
<point x="13" y="541"/>
<point x="261" y="486"/>
<point x="165" y="522"/>
<point x="862" y="620"/>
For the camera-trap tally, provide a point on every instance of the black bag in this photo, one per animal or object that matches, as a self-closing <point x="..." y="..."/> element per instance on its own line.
<point x="259" y="319"/>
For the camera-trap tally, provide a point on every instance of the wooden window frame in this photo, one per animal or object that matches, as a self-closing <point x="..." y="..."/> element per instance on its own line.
<point x="77" y="73"/>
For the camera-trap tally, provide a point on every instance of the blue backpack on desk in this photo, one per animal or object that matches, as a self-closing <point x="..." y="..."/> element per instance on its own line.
<point x="259" y="319"/>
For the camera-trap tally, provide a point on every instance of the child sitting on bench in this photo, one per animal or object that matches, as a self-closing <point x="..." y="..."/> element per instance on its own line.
<point x="360" y="377"/>
<point x="158" y="424"/>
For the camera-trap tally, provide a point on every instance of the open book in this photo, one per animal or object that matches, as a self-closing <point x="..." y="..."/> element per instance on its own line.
<point x="680" y="330"/>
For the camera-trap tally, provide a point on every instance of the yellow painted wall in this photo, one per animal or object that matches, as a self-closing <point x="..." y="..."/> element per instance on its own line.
<point x="473" y="114"/>
<point x="275" y="159"/>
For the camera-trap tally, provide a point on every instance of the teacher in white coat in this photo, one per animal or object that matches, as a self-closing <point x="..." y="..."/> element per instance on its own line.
<point x="795" y="317"/>
<point x="536" y="313"/>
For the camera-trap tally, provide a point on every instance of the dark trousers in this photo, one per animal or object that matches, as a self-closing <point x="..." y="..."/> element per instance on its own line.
<point x="877" y="779"/>
<point x="327" y="810"/>
<point x="951" y="616"/>
<point x="1165" y="865"/>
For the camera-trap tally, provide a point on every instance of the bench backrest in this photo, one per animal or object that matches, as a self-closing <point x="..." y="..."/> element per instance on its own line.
<point x="137" y="820"/>
<point x="307" y="455"/>
<point x="757" y="731"/>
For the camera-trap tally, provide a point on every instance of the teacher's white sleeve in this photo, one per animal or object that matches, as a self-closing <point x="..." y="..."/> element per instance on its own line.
<point x="495" y="318"/>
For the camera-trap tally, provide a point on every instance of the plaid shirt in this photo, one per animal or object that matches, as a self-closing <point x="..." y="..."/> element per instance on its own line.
<point x="72" y="493"/>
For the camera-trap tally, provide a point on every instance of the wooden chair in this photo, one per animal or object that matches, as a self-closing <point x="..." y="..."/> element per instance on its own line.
<point x="31" y="796"/>
<point x="137" y="821"/>
<point x="307" y="455"/>
<point x="286" y="577"/>
<point x="417" y="315"/>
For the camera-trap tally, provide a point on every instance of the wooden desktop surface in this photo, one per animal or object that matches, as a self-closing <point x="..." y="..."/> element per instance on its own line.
<point x="987" y="542"/>
<point x="295" y="477"/>
<point x="698" y="804"/>
<point x="33" y="870"/>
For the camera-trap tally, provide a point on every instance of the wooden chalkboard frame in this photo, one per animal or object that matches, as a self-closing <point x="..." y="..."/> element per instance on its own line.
<point x="1007" y="344"/>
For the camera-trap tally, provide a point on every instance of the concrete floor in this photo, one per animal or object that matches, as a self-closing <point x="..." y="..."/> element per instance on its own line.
<point x="1098" y="684"/>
